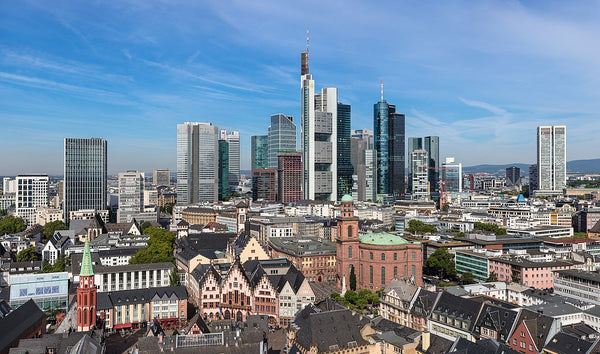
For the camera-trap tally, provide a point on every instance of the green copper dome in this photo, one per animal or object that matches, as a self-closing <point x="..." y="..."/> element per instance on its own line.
<point x="347" y="198"/>
<point x="382" y="239"/>
<point x="86" y="261"/>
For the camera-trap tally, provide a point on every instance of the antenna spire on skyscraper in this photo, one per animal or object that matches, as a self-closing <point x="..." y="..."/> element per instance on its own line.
<point x="307" y="40"/>
<point x="381" y="90"/>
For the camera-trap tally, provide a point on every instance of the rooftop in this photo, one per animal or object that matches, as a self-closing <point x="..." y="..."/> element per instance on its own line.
<point x="303" y="246"/>
<point x="382" y="239"/>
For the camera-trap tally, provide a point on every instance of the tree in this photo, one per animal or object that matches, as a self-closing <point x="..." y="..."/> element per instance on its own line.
<point x="46" y="267"/>
<point x="441" y="263"/>
<point x="11" y="225"/>
<point x="27" y="255"/>
<point x="50" y="227"/>
<point x="167" y="208"/>
<point x="160" y="247"/>
<point x="460" y="235"/>
<point x="59" y="265"/>
<point x="174" y="277"/>
<point x="417" y="226"/>
<point x="351" y="296"/>
<point x="352" y="279"/>
<point x="489" y="227"/>
<point x="468" y="278"/>
<point x="145" y="225"/>
<point x="515" y="278"/>
<point x="493" y="277"/>
<point x="3" y="212"/>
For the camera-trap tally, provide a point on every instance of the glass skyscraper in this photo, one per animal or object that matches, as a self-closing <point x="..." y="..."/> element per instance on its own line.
<point x="197" y="163"/>
<point x="432" y="146"/>
<point x="282" y="137"/>
<point x="85" y="175"/>
<point x="453" y="175"/>
<point x="223" y="169"/>
<point x="259" y="151"/>
<point x="344" y="164"/>
<point x="413" y="144"/>
<point x="389" y="131"/>
<point x="552" y="157"/>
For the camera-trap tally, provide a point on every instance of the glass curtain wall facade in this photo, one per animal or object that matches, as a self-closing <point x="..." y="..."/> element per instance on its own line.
<point x="381" y="133"/>
<point x="552" y="157"/>
<point x="397" y="153"/>
<point x="85" y="175"/>
<point x="224" y="169"/>
<point x="344" y="163"/>
<point x="413" y="144"/>
<point x="432" y="146"/>
<point x="260" y="151"/>
<point x="282" y="137"/>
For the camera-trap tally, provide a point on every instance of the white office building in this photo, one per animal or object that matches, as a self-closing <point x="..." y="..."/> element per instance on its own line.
<point x="197" y="161"/>
<point x="452" y="175"/>
<point x="131" y="195"/>
<point x="32" y="192"/>
<point x="552" y="157"/>
<point x="420" y="181"/>
<point x="233" y="139"/>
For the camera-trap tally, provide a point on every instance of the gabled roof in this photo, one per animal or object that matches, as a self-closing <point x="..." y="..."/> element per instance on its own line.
<point x="424" y="303"/>
<point x="537" y="324"/>
<point x="463" y="309"/>
<point x="596" y="228"/>
<point x="139" y="296"/>
<point x="199" y="321"/>
<point x="403" y="288"/>
<point x="19" y="322"/>
<point x="567" y="343"/>
<point x="498" y="319"/>
<point x="486" y="346"/>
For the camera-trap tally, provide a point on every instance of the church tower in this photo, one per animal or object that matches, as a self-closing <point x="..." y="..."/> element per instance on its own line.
<point x="347" y="253"/>
<point x="86" y="293"/>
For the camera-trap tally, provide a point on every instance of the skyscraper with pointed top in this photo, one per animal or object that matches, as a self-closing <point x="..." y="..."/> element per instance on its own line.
<point x="86" y="293"/>
<point x="319" y="136"/>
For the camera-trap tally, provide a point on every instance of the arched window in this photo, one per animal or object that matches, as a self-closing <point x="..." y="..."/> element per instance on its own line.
<point x="382" y="275"/>
<point x="349" y="251"/>
<point x="395" y="272"/>
<point x="371" y="274"/>
<point x="350" y="230"/>
<point x="383" y="256"/>
<point x="413" y="270"/>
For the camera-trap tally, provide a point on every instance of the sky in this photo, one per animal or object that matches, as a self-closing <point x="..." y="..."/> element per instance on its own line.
<point x="482" y="75"/>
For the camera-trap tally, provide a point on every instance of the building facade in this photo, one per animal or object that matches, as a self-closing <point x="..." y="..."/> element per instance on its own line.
<point x="85" y="175"/>
<point x="281" y="137"/>
<point x="289" y="177"/>
<point x="264" y="185"/>
<point x="233" y="139"/>
<point x="552" y="157"/>
<point x="161" y="177"/>
<point x="260" y="151"/>
<point x="431" y="144"/>
<point x="131" y="195"/>
<point x="197" y="162"/>
<point x="413" y="144"/>
<point x="513" y="176"/>
<point x="344" y="164"/>
<point x="224" y="169"/>
<point x="420" y="175"/>
<point x="32" y="192"/>
<point x="452" y="172"/>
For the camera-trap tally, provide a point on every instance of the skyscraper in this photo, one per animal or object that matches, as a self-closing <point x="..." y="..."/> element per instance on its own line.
<point x="413" y="144"/>
<point x="319" y="137"/>
<point x="453" y="175"/>
<point x="533" y="179"/>
<point x="289" y="177"/>
<point x="131" y="195"/>
<point x="85" y="175"/>
<point x="344" y="164"/>
<point x="31" y="193"/>
<point x="224" y="169"/>
<point x="161" y="177"/>
<point x="197" y="163"/>
<point x="363" y="158"/>
<point x="552" y="157"/>
<point x="264" y="185"/>
<point x="419" y="175"/>
<point x="233" y="140"/>
<point x="260" y="151"/>
<point x="513" y="176"/>
<point x="389" y="131"/>
<point x="282" y="137"/>
<point x="432" y="146"/>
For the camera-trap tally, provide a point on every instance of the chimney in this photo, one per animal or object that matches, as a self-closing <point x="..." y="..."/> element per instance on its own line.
<point x="425" y="340"/>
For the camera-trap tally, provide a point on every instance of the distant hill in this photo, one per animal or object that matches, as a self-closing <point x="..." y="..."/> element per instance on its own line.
<point x="581" y="166"/>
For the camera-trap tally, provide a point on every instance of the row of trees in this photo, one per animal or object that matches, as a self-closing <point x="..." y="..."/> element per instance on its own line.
<point x="358" y="300"/>
<point x="417" y="226"/>
<point x="50" y="227"/>
<point x="11" y="225"/>
<point x="489" y="227"/>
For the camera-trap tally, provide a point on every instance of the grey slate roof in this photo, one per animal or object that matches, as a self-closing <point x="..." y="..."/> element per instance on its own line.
<point x="539" y="325"/>
<point x="139" y="296"/>
<point x="567" y="343"/>
<point x="424" y="303"/>
<point x="498" y="319"/>
<point x="460" y="308"/>
<point x="486" y="346"/>
<point x="19" y="322"/>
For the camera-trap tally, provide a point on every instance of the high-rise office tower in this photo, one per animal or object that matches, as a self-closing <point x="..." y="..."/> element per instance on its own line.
<point x="161" y="177"/>
<point x="224" y="169"/>
<point x="319" y="137"/>
<point x="31" y="193"/>
<point x="260" y="151"/>
<point x="197" y="163"/>
<point x="413" y="144"/>
<point x="282" y="137"/>
<point x="432" y="146"/>
<point x="389" y="131"/>
<point x="131" y="195"/>
<point x="85" y="175"/>
<point x="9" y="185"/>
<point x="513" y="176"/>
<point x="233" y="140"/>
<point x="344" y="163"/>
<point x="552" y="157"/>
<point x="452" y="175"/>
<point x="289" y="177"/>
<point x="419" y="175"/>
<point x="533" y="179"/>
<point x="264" y="185"/>
<point x="363" y="157"/>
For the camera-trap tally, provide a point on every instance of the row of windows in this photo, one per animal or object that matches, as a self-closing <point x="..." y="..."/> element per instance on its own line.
<point x="382" y="257"/>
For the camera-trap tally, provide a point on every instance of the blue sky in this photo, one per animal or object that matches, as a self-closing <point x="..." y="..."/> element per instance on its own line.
<point x="481" y="75"/>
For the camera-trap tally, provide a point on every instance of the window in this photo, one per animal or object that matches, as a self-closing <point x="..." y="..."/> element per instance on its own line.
<point x="349" y="251"/>
<point x="395" y="272"/>
<point x="371" y="274"/>
<point x="515" y="341"/>
<point x="530" y="347"/>
<point x="382" y="275"/>
<point x="395" y="256"/>
<point x="414" y="255"/>
<point x="371" y="255"/>
<point x="383" y="256"/>
<point x="350" y="231"/>
<point x="413" y="270"/>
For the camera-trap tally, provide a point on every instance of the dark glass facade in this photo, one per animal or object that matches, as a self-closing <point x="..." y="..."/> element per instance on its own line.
<point x="389" y="132"/>
<point x="381" y="133"/>
<point x="223" y="169"/>
<point x="344" y="163"/>
<point x="432" y="146"/>
<point x="413" y="144"/>
<point x="260" y="151"/>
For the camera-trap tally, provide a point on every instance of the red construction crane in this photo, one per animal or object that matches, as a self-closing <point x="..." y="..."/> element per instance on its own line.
<point x="471" y="176"/>
<point x="442" y="183"/>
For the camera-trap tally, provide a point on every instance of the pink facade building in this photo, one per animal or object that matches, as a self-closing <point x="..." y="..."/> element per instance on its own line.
<point x="529" y="273"/>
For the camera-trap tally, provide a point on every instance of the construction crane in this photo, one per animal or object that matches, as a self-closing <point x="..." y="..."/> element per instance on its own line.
<point x="472" y="177"/>
<point x="442" y="183"/>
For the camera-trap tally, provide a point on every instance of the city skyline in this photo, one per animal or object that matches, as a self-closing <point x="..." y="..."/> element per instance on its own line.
<point x="484" y="77"/>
